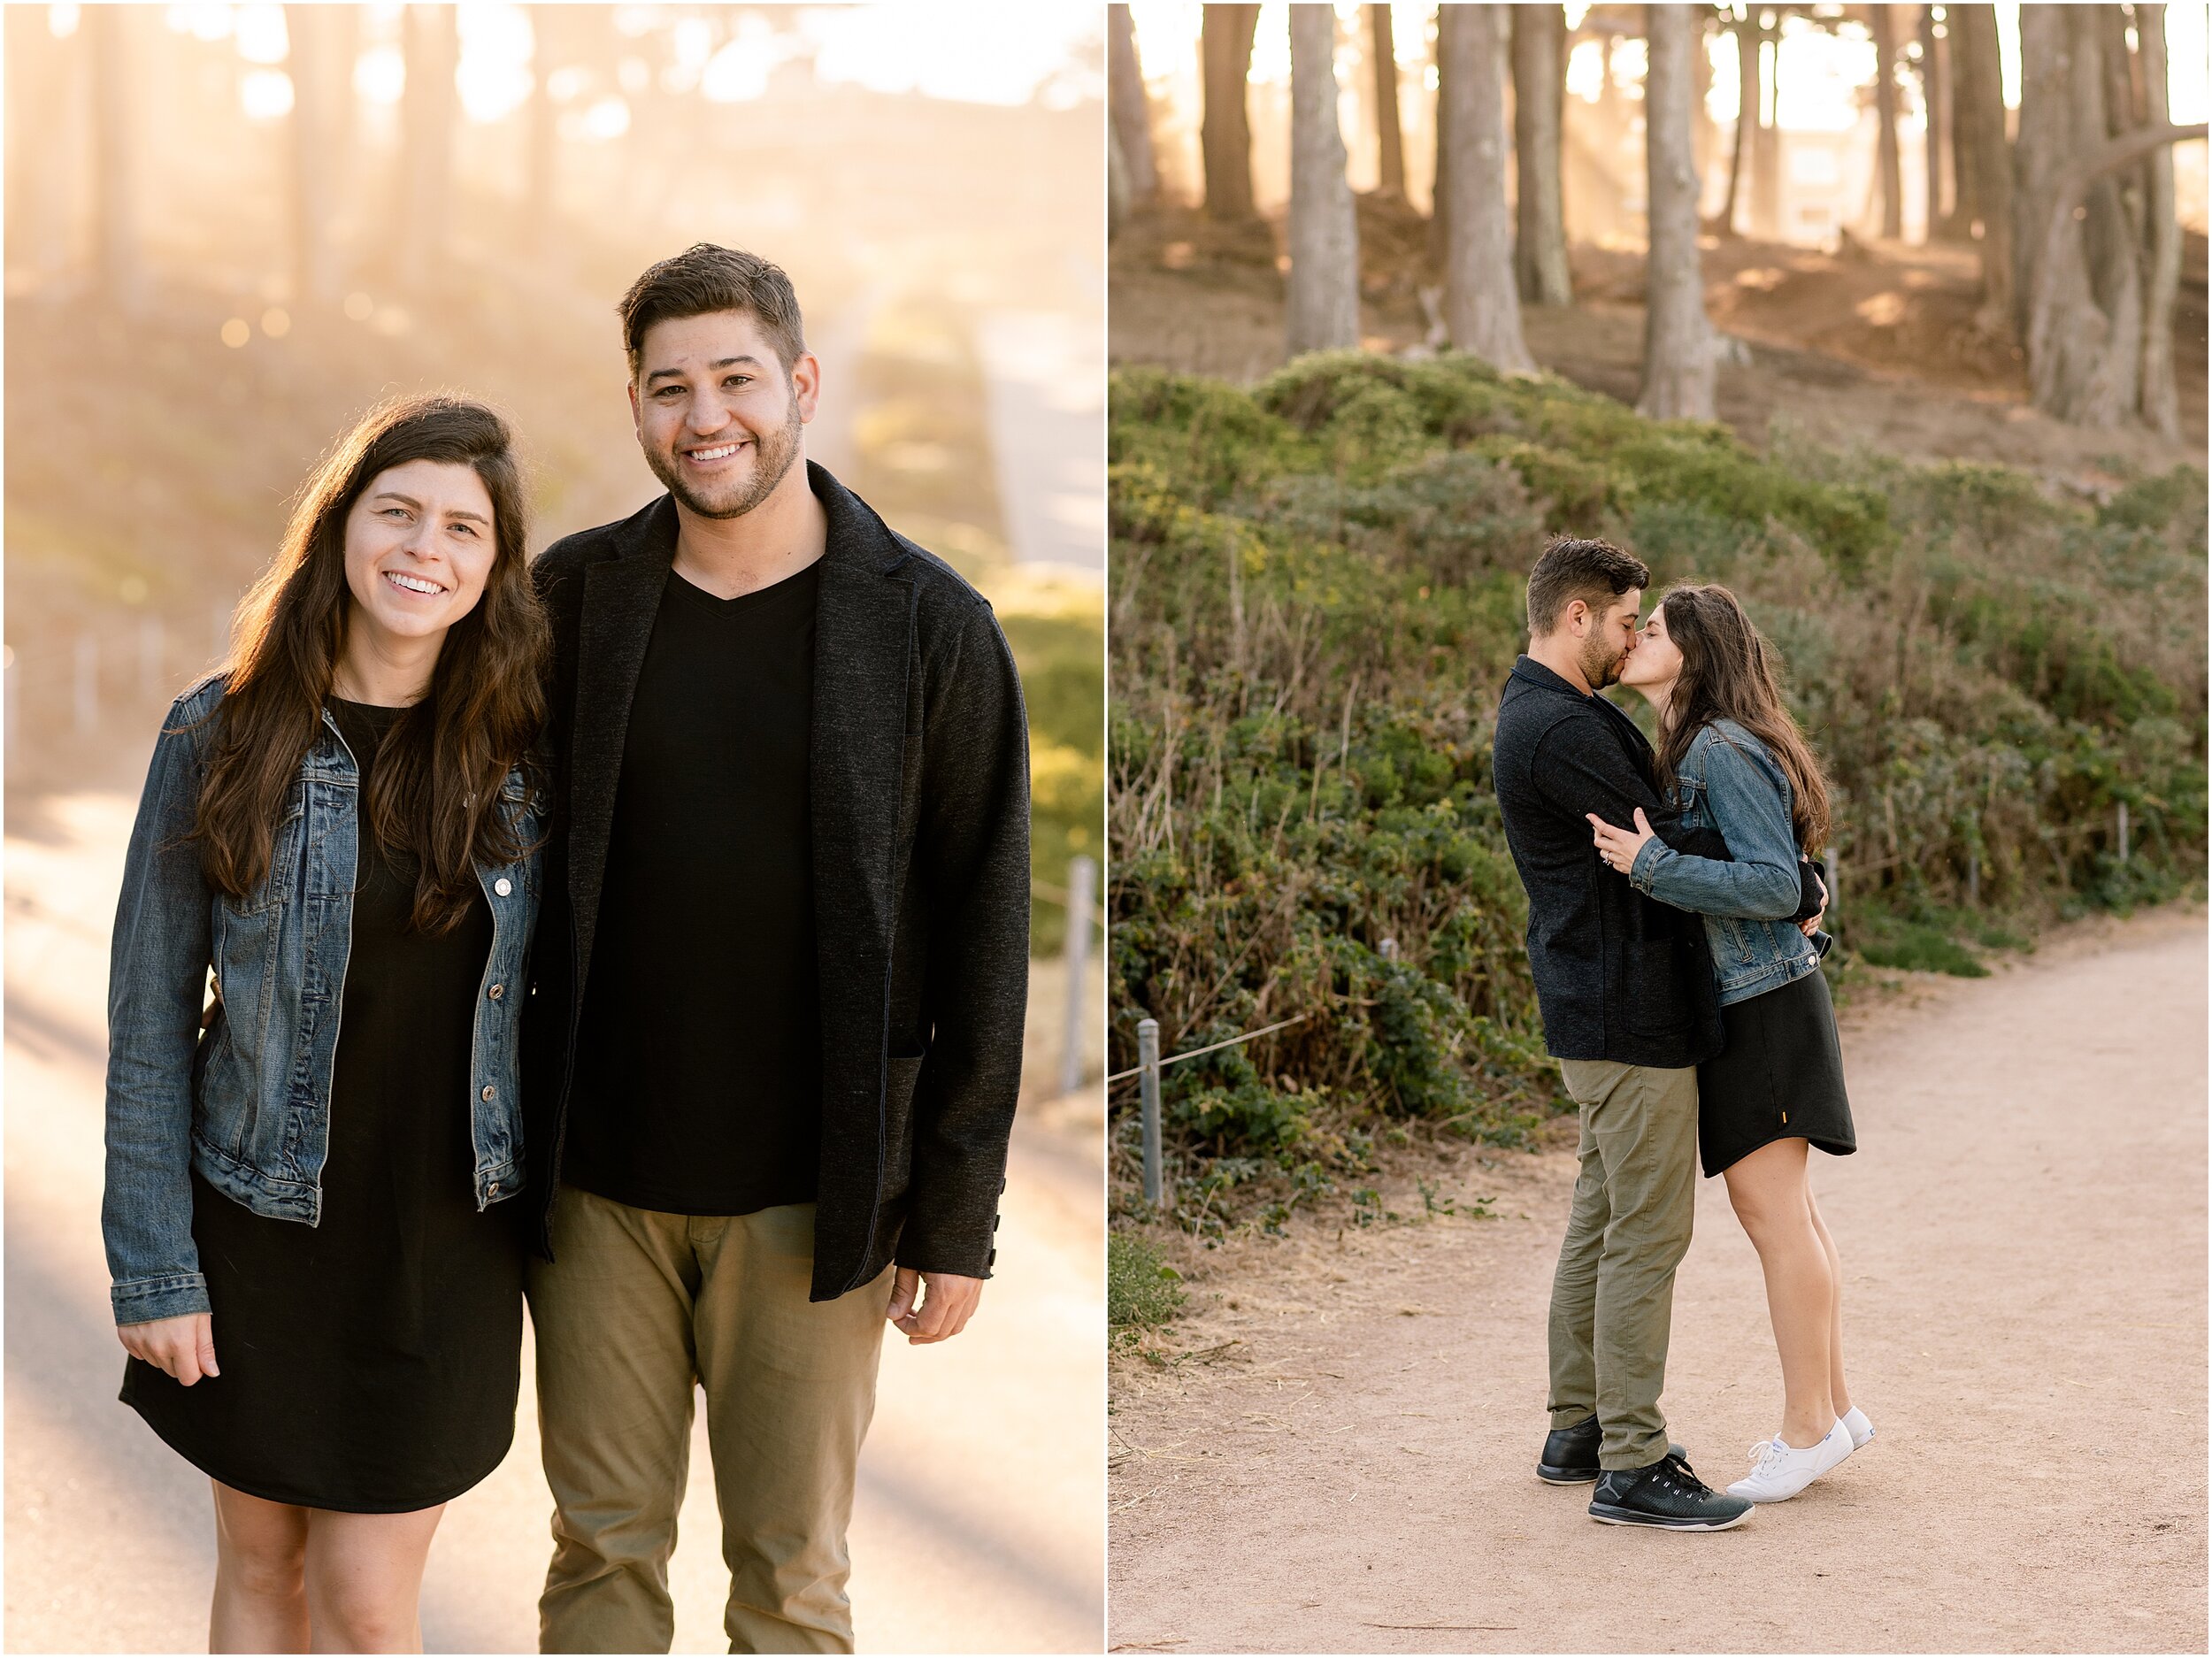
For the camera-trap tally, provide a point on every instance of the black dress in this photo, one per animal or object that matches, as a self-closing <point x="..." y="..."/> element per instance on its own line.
<point x="369" y="1364"/>
<point x="1780" y="1076"/>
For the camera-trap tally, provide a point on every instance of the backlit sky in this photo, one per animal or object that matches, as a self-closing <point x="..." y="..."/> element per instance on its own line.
<point x="984" y="51"/>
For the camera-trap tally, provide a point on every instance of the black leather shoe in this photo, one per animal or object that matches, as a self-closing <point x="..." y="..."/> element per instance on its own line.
<point x="1666" y="1494"/>
<point x="1571" y="1455"/>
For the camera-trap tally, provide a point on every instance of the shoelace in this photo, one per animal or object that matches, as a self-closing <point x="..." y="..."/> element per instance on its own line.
<point x="1768" y="1455"/>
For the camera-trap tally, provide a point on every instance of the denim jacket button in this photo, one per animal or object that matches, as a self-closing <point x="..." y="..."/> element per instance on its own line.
<point x="496" y="991"/>
<point x="492" y="1190"/>
<point x="503" y="887"/>
<point x="489" y="1092"/>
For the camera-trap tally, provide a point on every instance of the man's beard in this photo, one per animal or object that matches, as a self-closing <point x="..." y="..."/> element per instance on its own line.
<point x="773" y="454"/>
<point x="1600" y="663"/>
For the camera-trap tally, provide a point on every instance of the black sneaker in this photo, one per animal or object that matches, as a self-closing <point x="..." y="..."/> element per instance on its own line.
<point x="1666" y="1493"/>
<point x="1571" y="1455"/>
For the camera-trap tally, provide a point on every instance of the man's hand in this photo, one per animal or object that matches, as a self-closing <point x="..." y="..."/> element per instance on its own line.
<point x="1810" y="924"/>
<point x="943" y="1313"/>
<point x="184" y="1346"/>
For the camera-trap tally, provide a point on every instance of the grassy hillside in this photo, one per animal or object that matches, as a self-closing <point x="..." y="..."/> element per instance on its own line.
<point x="1317" y="595"/>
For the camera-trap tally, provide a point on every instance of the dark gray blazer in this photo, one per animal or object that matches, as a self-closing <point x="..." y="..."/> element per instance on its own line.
<point x="920" y="804"/>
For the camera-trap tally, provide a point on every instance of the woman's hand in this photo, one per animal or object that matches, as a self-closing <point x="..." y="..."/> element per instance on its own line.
<point x="184" y="1346"/>
<point x="1619" y="847"/>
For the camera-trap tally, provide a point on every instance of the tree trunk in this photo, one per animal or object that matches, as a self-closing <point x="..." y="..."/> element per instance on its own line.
<point x="1677" y="340"/>
<point x="2160" y="406"/>
<point x="2114" y="243"/>
<point x="1766" y="142"/>
<point x="1937" y="107"/>
<point x="1324" y="308"/>
<point x="1389" y="132"/>
<point x="117" y="259"/>
<point x="1540" y="247"/>
<point x="1988" y="195"/>
<point x="1224" y="135"/>
<point x="44" y="141"/>
<point x="2046" y="137"/>
<point x="1132" y="113"/>
<point x="1747" y="34"/>
<point x="2083" y="361"/>
<point x="1482" y="308"/>
<point x="426" y="142"/>
<point x="316" y="145"/>
<point x="1888" y="168"/>
<point x="1440" y="190"/>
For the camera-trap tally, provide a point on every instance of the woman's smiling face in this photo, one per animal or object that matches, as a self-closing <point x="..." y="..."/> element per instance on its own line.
<point x="420" y="544"/>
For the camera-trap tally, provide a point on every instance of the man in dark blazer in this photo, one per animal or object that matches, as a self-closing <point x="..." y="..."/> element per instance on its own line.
<point x="776" y="1035"/>
<point x="1626" y="992"/>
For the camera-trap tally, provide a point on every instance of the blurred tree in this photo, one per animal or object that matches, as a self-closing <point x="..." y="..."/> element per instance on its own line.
<point x="118" y="261"/>
<point x="1935" y="102"/>
<point x="1389" y="131"/>
<point x="1117" y="184"/>
<point x="1982" y="157"/>
<point x="2160" y="406"/>
<point x="1224" y="134"/>
<point x="1440" y="175"/>
<point x="1132" y="114"/>
<point x="1539" y="88"/>
<point x="42" y="141"/>
<point x="427" y="123"/>
<point x="1482" y="307"/>
<point x="1766" y="137"/>
<point x="1678" y="370"/>
<point x="1323" y="297"/>
<point x="317" y="132"/>
<point x="1745" y="28"/>
<point x="2087" y="267"/>
<point x="1889" y="172"/>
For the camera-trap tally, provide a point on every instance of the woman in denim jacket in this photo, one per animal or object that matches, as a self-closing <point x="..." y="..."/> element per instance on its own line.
<point x="1732" y="757"/>
<point x="321" y="1302"/>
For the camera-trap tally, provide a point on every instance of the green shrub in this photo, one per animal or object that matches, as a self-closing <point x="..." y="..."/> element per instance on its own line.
<point x="1318" y="593"/>
<point x="1142" y="1291"/>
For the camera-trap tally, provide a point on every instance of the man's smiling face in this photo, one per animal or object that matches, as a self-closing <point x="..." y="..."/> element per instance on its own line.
<point x="717" y="416"/>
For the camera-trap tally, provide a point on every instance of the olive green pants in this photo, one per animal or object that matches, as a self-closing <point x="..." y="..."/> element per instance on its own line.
<point x="1612" y="1298"/>
<point x="636" y="1307"/>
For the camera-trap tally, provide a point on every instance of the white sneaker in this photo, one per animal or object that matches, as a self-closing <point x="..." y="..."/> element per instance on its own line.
<point x="1861" y="1430"/>
<point x="1781" y="1471"/>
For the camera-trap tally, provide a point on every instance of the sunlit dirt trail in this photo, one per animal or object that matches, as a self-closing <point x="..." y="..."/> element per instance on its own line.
<point x="978" y="1524"/>
<point x="2023" y="1236"/>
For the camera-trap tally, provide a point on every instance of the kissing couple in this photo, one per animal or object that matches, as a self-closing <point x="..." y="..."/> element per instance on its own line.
<point x="1673" y="934"/>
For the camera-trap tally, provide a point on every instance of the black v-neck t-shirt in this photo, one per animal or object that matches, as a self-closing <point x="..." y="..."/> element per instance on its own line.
<point x="698" y="1070"/>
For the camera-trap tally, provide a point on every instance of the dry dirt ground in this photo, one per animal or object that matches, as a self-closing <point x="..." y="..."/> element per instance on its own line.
<point x="1334" y="1451"/>
<point x="1872" y="345"/>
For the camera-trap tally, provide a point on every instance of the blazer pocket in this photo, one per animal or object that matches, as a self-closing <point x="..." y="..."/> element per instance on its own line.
<point x="1658" y="1002"/>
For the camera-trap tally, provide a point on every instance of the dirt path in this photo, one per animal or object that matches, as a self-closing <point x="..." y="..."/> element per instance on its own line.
<point x="979" y="1523"/>
<point x="2023" y="1243"/>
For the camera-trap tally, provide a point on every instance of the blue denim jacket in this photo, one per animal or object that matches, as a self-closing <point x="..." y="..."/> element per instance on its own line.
<point x="248" y="1104"/>
<point x="1728" y="781"/>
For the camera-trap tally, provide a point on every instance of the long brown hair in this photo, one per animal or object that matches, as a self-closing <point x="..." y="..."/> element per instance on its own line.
<point x="434" y="792"/>
<point x="1729" y="671"/>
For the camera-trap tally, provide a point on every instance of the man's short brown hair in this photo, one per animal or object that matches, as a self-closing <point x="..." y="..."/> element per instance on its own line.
<point x="1596" y="573"/>
<point x="705" y="279"/>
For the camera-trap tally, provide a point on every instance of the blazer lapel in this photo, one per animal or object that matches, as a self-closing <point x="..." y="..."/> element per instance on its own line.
<point x="621" y="598"/>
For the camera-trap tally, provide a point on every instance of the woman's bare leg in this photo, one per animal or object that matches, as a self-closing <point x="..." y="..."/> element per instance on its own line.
<point x="364" y="1578"/>
<point x="1836" y="1391"/>
<point x="1768" y="1191"/>
<point x="260" y="1574"/>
